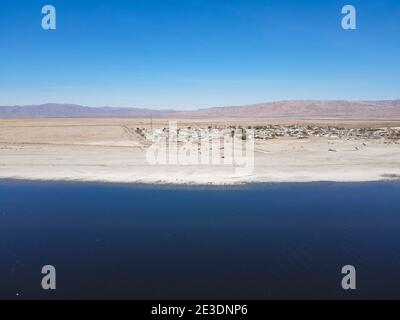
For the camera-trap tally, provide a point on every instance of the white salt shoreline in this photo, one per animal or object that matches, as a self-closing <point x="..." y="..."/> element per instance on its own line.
<point x="286" y="162"/>
<point x="352" y="176"/>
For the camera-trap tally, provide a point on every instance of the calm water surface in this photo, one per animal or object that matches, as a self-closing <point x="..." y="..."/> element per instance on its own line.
<point x="253" y="242"/>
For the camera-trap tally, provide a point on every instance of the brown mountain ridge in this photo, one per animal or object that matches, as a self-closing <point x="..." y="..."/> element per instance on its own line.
<point x="279" y="109"/>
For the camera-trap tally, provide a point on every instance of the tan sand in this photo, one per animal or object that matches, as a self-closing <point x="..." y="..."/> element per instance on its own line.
<point x="109" y="150"/>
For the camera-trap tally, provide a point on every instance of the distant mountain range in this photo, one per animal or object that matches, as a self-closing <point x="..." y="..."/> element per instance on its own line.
<point x="279" y="109"/>
<point x="54" y="110"/>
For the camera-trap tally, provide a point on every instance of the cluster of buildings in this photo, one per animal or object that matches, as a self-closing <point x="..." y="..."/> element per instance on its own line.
<point x="271" y="132"/>
<point x="304" y="132"/>
<point x="190" y="134"/>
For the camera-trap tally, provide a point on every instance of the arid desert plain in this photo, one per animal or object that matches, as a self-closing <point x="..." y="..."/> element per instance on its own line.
<point x="114" y="150"/>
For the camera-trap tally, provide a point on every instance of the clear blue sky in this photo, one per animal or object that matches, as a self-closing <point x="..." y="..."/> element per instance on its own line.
<point x="189" y="54"/>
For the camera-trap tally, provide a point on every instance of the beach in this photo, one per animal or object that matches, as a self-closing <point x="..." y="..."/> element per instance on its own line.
<point x="110" y="150"/>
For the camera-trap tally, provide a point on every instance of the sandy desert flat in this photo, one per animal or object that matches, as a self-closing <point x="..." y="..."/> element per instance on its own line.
<point x="110" y="150"/>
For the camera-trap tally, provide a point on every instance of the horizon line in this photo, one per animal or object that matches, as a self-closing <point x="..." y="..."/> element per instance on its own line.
<point x="198" y="108"/>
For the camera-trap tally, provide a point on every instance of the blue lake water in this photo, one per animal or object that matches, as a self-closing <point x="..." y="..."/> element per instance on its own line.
<point x="147" y="242"/>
